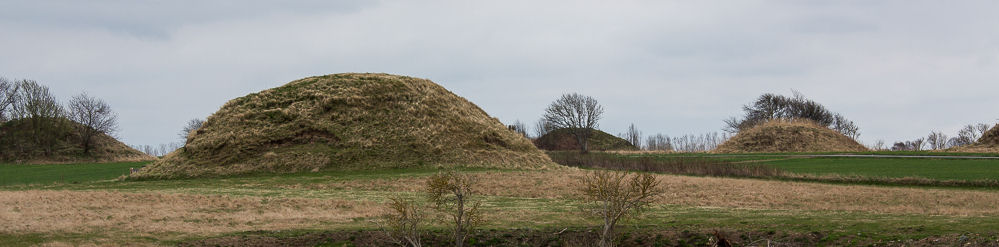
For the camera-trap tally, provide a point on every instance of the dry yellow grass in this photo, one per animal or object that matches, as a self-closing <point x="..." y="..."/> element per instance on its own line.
<point x="348" y="121"/>
<point x="151" y="213"/>
<point x="777" y="136"/>
<point x="727" y="193"/>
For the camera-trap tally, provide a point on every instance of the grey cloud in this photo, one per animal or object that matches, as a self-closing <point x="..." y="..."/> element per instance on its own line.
<point x="669" y="66"/>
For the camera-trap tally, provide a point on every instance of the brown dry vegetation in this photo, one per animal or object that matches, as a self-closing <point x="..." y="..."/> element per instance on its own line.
<point x="723" y="192"/>
<point x="512" y="198"/>
<point x="158" y="213"/>
<point x="348" y="121"/>
<point x="789" y="136"/>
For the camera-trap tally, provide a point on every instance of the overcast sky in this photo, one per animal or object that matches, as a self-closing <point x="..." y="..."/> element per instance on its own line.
<point x="899" y="69"/>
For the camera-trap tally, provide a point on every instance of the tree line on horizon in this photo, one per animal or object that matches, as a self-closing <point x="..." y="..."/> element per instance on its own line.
<point x="581" y="114"/>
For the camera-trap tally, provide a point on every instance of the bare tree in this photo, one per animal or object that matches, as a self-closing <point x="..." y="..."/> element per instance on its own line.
<point x="8" y="93"/>
<point x="580" y="114"/>
<point x="845" y="126"/>
<point x="970" y="134"/>
<point x="633" y="136"/>
<point x="95" y="116"/>
<point x="542" y="127"/>
<point x="658" y="142"/>
<point x="518" y="127"/>
<point x="451" y="194"/>
<point x="615" y="197"/>
<point x="191" y="126"/>
<point x="937" y="140"/>
<point x="43" y="113"/>
<point x="917" y="144"/>
<point x="772" y="106"/>
<point x="879" y="145"/>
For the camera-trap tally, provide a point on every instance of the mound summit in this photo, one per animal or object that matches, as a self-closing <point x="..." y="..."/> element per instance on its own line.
<point x="777" y="136"/>
<point x="17" y="145"/>
<point x="347" y="121"/>
<point x="562" y="139"/>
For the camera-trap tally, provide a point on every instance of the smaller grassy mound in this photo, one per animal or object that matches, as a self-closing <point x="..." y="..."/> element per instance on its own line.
<point x="18" y="144"/>
<point x="988" y="143"/>
<point x="562" y="139"/>
<point x="779" y="136"/>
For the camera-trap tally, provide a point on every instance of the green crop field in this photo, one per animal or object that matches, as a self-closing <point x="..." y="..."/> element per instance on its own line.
<point x="940" y="169"/>
<point x="12" y="174"/>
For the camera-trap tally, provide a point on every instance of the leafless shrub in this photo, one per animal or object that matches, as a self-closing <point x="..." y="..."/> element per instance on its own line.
<point x="451" y="193"/>
<point x="616" y="195"/>
<point x="404" y="222"/>
<point x="95" y="116"/>
<point x="580" y="114"/>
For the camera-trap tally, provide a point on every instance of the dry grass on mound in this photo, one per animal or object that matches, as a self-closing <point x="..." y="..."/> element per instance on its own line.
<point x="789" y="136"/>
<point x="151" y="213"/>
<point x="348" y="121"/>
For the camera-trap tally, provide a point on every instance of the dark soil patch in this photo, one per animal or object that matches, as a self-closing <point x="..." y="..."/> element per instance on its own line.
<point x="582" y="237"/>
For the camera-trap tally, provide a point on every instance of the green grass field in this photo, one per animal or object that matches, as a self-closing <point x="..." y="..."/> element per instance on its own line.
<point x="787" y="220"/>
<point x="939" y="169"/>
<point x="14" y="174"/>
<point x="874" y="167"/>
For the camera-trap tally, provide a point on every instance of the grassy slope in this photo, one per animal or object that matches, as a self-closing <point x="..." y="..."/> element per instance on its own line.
<point x="837" y="226"/>
<point x="789" y="136"/>
<point x="15" y="174"/>
<point x="347" y="121"/>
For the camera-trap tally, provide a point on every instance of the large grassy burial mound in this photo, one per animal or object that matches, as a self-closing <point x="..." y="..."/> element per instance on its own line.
<point x="347" y="121"/>
<point x="60" y="142"/>
<point x="562" y="139"/>
<point x="778" y="136"/>
<point x="988" y="143"/>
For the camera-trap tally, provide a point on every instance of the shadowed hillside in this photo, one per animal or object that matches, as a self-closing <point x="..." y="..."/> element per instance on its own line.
<point x="348" y="121"/>
<point x="562" y="139"/>
<point x="789" y="136"/>
<point x="19" y="144"/>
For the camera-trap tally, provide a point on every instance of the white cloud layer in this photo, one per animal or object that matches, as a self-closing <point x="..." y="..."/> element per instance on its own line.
<point x="899" y="69"/>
